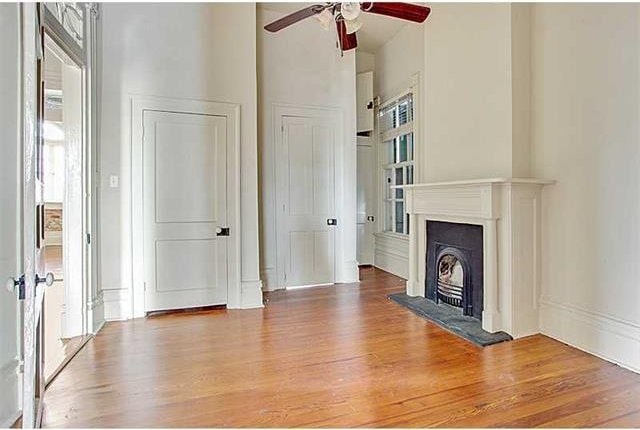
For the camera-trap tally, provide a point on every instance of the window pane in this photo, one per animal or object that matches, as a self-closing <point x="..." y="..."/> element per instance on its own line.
<point x="396" y="150"/>
<point x="410" y="145"/>
<point x="399" y="217"/>
<point x="402" y="148"/>
<point x="396" y="114"/>
<point x="409" y="175"/>
<point x="388" y="149"/>
<point x="399" y="181"/>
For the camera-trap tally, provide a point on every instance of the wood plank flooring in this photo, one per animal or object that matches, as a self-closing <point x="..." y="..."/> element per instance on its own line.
<point x="338" y="356"/>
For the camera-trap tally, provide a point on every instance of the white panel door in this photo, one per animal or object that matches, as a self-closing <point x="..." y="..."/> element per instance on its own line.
<point x="10" y="178"/>
<point x="305" y="173"/>
<point x="364" y="101"/>
<point x="185" y="195"/>
<point x="365" y="203"/>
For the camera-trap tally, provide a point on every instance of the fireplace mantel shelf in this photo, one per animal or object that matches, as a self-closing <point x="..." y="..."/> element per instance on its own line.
<point x="535" y="181"/>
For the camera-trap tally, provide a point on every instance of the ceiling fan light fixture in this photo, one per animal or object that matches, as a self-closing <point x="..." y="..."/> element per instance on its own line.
<point x="350" y="10"/>
<point x="352" y="25"/>
<point x="325" y="18"/>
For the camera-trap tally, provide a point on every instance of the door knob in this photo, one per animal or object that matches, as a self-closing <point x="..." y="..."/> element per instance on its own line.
<point x="48" y="279"/>
<point x="14" y="284"/>
<point x="222" y="231"/>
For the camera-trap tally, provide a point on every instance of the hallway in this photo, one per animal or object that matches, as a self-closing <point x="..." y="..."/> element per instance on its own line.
<point x="330" y="356"/>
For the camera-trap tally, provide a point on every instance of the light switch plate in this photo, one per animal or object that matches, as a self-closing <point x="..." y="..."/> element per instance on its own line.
<point x="113" y="181"/>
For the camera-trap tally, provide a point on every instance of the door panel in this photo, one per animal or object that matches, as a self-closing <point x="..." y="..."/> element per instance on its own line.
<point x="364" y="101"/>
<point x="365" y="203"/>
<point x="306" y="197"/>
<point x="9" y="209"/>
<point x="32" y="214"/>
<point x="174" y="256"/>
<point x="184" y="194"/>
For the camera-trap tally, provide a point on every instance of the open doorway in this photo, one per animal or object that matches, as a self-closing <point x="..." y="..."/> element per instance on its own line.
<point x="63" y="176"/>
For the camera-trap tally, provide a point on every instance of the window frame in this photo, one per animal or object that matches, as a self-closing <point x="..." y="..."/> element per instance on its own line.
<point x="390" y="198"/>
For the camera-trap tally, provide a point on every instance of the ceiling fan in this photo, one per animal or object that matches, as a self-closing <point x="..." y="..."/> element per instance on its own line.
<point x="345" y="15"/>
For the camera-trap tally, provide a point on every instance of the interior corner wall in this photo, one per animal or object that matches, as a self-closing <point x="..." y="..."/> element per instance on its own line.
<point x="301" y="66"/>
<point x="202" y="51"/>
<point x="585" y="133"/>
<point x="521" y="90"/>
<point x="365" y="62"/>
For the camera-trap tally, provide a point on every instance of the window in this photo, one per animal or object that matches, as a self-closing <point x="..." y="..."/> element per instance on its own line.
<point x="397" y="154"/>
<point x="71" y="16"/>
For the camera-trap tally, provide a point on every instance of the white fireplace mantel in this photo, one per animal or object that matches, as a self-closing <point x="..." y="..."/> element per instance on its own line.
<point x="508" y="209"/>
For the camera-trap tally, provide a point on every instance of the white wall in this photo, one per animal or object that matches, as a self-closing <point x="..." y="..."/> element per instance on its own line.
<point x="585" y="129"/>
<point x="188" y="50"/>
<point x="301" y="66"/>
<point x="396" y="62"/>
<point x="468" y="90"/>
<point x="365" y="62"/>
<point x="9" y="228"/>
<point x="399" y="59"/>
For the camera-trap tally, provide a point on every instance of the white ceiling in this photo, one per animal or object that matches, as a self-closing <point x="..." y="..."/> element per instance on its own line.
<point x="376" y="30"/>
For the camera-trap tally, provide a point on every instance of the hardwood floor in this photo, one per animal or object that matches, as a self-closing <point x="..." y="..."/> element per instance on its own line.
<point x="331" y="356"/>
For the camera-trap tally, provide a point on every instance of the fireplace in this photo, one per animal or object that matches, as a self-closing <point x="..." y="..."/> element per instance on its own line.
<point x="454" y="266"/>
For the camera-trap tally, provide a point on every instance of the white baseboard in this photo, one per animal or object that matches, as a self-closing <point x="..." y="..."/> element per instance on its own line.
<point x="613" y="339"/>
<point x="391" y="254"/>
<point x="392" y="263"/>
<point x="10" y="393"/>
<point x="269" y="279"/>
<point x="117" y="304"/>
<point x="95" y="313"/>
<point x="349" y="273"/>
<point x="251" y="295"/>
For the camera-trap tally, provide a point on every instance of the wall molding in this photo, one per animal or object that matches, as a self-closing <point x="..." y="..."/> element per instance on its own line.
<point x="611" y="338"/>
<point x="117" y="304"/>
<point x="95" y="313"/>
<point x="250" y="295"/>
<point x="391" y="253"/>
<point x="350" y="273"/>
<point x="269" y="279"/>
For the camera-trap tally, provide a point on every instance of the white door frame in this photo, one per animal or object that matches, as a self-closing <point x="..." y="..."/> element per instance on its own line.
<point x="91" y="319"/>
<point x="232" y="111"/>
<point x="281" y="110"/>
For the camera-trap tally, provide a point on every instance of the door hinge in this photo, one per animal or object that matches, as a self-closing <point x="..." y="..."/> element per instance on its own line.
<point x="88" y="239"/>
<point x="144" y="285"/>
<point x="285" y="276"/>
<point x="282" y="128"/>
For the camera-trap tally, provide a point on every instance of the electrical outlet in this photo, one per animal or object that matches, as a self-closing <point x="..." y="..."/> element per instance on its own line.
<point x="113" y="181"/>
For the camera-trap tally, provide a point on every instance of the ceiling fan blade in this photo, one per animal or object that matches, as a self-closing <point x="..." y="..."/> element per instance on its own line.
<point x="406" y="11"/>
<point x="292" y="18"/>
<point x="347" y="41"/>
